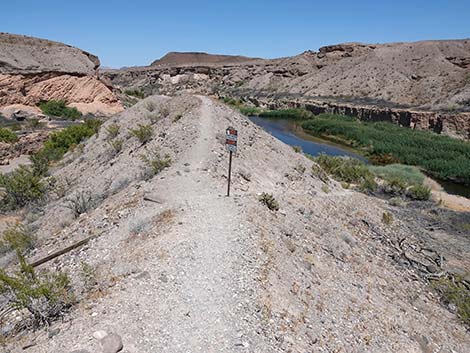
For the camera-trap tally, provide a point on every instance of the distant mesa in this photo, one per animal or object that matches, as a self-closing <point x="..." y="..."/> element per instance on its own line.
<point x="199" y="58"/>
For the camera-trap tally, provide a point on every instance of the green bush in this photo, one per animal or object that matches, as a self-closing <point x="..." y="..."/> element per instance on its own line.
<point x="454" y="292"/>
<point x="8" y="136"/>
<point x="60" y="142"/>
<point x="250" y="111"/>
<point x="407" y="173"/>
<point x="442" y="156"/>
<point x="298" y="114"/>
<point x="155" y="163"/>
<point x="347" y="170"/>
<point x="269" y="201"/>
<point x="46" y="295"/>
<point x="419" y="192"/>
<point x="116" y="145"/>
<point x="113" y="130"/>
<point x="58" y="108"/>
<point x="22" y="186"/>
<point x="135" y="93"/>
<point x="16" y="237"/>
<point x="143" y="133"/>
<point x="387" y="218"/>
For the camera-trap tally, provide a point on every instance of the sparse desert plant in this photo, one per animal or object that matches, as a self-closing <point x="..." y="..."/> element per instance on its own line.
<point x="135" y="93"/>
<point x="155" y="163"/>
<point x="46" y="296"/>
<point x="113" y="130"/>
<point x="116" y="145"/>
<point x="143" y="133"/>
<point x="89" y="276"/>
<point x="34" y="124"/>
<point x="164" y="112"/>
<point x="454" y="293"/>
<point x="419" y="192"/>
<point x="150" y="106"/>
<point x="396" y="201"/>
<point x="325" y="189"/>
<point x="300" y="168"/>
<point x="22" y="186"/>
<point x="177" y="118"/>
<point x="16" y="237"/>
<point x="80" y="203"/>
<point x="153" y="117"/>
<point x="269" y="201"/>
<point x="387" y="218"/>
<point x="8" y="136"/>
<point x="297" y="149"/>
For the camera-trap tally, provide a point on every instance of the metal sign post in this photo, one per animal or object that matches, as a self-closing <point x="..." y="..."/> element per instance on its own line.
<point x="231" y="137"/>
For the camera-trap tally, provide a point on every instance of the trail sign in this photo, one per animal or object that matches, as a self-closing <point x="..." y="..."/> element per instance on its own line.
<point x="231" y="139"/>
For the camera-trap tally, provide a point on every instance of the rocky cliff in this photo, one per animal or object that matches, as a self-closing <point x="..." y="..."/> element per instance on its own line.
<point x="34" y="70"/>
<point x="429" y="78"/>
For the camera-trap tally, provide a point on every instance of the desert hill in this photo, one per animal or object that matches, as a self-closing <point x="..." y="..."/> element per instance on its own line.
<point x="196" y="58"/>
<point x="34" y="70"/>
<point x="424" y="84"/>
<point x="179" y="267"/>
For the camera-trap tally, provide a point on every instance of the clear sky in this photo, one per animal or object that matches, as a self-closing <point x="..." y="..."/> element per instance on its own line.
<point x="135" y="32"/>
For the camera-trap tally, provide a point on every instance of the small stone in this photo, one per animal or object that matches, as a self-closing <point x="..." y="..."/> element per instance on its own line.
<point x="53" y="332"/>
<point x="111" y="343"/>
<point x="99" y="335"/>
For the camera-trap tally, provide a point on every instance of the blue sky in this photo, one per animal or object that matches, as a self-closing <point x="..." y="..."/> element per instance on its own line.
<point x="135" y="32"/>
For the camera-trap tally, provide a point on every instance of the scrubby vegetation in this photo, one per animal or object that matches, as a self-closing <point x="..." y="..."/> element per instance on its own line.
<point x="135" y="93"/>
<point x="45" y="295"/>
<point x="395" y="180"/>
<point x="269" y="201"/>
<point x="300" y="114"/>
<point x="113" y="130"/>
<point x="22" y="187"/>
<point x="348" y="170"/>
<point x="60" y="142"/>
<point x="116" y="145"/>
<point x="8" y="136"/>
<point x="58" y="108"/>
<point x="455" y="294"/>
<point x="241" y="106"/>
<point x="442" y="156"/>
<point x="155" y="163"/>
<point x="16" y="237"/>
<point x="143" y="133"/>
<point x="80" y="203"/>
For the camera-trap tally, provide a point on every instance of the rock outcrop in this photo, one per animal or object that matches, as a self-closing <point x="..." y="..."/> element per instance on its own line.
<point x="34" y="70"/>
<point x="432" y="77"/>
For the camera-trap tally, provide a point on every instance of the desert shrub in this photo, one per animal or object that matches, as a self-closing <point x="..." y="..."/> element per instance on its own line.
<point x="150" y="106"/>
<point x="348" y="170"/>
<point x="153" y="117"/>
<point x="116" y="145"/>
<point x="395" y="186"/>
<point x="45" y="295"/>
<point x="396" y="201"/>
<point x="35" y="124"/>
<point x="387" y="218"/>
<point x="407" y="173"/>
<point x="62" y="141"/>
<point x="325" y="189"/>
<point x="164" y="112"/>
<point x="135" y="93"/>
<point x="58" y="108"/>
<point x="80" y="203"/>
<point x="297" y="149"/>
<point x="8" y="136"/>
<point x="287" y="114"/>
<point x="269" y="201"/>
<point x="22" y="186"/>
<point x="88" y="275"/>
<point x="442" y="156"/>
<point x="16" y="237"/>
<point x="113" y="130"/>
<point x="419" y="192"/>
<point x="454" y="292"/>
<point x="155" y="163"/>
<point x="143" y="133"/>
<point x="250" y="111"/>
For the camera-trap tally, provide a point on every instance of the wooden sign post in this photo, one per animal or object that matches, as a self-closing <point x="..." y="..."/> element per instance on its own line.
<point x="231" y="137"/>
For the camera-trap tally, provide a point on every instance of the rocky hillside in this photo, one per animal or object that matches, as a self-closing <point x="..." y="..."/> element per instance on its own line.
<point x="176" y="266"/>
<point x="376" y="82"/>
<point x="34" y="70"/>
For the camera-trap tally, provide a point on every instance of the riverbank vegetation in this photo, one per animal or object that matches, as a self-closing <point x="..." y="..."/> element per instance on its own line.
<point x="441" y="156"/>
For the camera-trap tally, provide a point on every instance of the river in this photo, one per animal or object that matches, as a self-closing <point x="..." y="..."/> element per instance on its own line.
<point x="290" y="132"/>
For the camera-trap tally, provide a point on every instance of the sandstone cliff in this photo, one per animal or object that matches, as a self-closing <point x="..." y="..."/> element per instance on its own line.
<point x="34" y="70"/>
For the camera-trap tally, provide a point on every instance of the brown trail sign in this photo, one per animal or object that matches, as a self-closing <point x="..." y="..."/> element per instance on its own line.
<point x="231" y="139"/>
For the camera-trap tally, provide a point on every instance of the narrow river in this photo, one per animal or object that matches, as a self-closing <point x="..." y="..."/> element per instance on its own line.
<point x="290" y="132"/>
